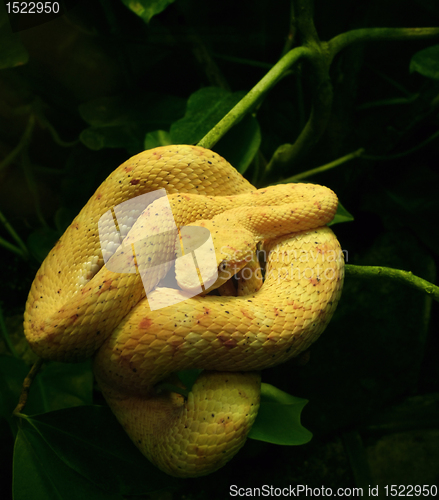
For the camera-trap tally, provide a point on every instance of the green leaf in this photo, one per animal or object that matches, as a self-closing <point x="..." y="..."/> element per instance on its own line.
<point x="156" y="139"/>
<point x="90" y="441"/>
<point x="38" y="474"/>
<point x="41" y="241"/>
<point x="426" y="62"/>
<point x="146" y="9"/>
<point x="241" y="144"/>
<point x="205" y="108"/>
<point x="278" y="419"/>
<point x="122" y="121"/>
<point x="12" y="52"/>
<point x="342" y="215"/>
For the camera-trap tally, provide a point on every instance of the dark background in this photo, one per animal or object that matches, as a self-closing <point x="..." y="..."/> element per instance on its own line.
<point x="372" y="378"/>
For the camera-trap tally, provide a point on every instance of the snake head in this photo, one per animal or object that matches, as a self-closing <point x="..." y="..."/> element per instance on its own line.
<point x="224" y="251"/>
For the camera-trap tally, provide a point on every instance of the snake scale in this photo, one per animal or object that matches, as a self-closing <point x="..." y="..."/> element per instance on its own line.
<point x="78" y="307"/>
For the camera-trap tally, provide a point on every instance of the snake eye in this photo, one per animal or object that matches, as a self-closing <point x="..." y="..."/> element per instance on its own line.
<point x="222" y="266"/>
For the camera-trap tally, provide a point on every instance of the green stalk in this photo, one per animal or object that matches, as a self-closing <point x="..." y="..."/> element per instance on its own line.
<point x="6" y="336"/>
<point x="341" y="41"/>
<point x="251" y="99"/>
<point x="404" y="277"/>
<point x="323" y="168"/>
<point x="22" y="249"/>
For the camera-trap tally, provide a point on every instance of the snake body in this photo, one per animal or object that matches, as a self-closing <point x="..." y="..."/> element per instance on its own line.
<point x="77" y="307"/>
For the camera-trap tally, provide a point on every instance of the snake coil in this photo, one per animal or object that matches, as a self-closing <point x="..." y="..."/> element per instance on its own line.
<point x="78" y="307"/>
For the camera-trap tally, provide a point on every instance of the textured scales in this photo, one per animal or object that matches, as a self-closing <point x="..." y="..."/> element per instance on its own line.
<point x="77" y="308"/>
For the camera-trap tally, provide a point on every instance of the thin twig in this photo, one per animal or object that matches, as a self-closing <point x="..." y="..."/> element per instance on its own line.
<point x="24" y="252"/>
<point x="389" y="80"/>
<point x="404" y="153"/>
<point x="404" y="277"/>
<point x="32" y="185"/>
<point x="11" y="247"/>
<point x="24" y="141"/>
<point x="323" y="168"/>
<point x="341" y="41"/>
<point x="290" y="39"/>
<point x="207" y="62"/>
<point x="388" y="102"/>
<point x="5" y="334"/>
<point x="55" y="135"/>
<point x="321" y="92"/>
<point x="26" y="387"/>
<point x="322" y="96"/>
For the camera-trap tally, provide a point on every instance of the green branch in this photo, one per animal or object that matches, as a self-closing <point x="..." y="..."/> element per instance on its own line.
<point x="5" y="334"/>
<point x="322" y="97"/>
<point x="304" y="12"/>
<point x="249" y="101"/>
<point x="24" y="142"/>
<point x="323" y="168"/>
<point x="319" y="55"/>
<point x="26" y="388"/>
<point x="21" y="249"/>
<point x="403" y="153"/>
<point x="341" y="41"/>
<point x="404" y="277"/>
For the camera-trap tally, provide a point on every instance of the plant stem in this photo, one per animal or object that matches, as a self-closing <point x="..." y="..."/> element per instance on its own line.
<point x="403" y="153"/>
<point x="304" y="12"/>
<point x="56" y="137"/>
<point x="322" y="95"/>
<point x="32" y="185"/>
<point x="357" y="458"/>
<point x="321" y="91"/>
<point x="290" y="39"/>
<point x="389" y="80"/>
<point x="11" y="247"/>
<point x="24" y="141"/>
<point x="388" y="102"/>
<point x="323" y="168"/>
<point x="403" y="277"/>
<point x="341" y="41"/>
<point x="26" y="387"/>
<point x="249" y="101"/>
<point x="5" y="334"/>
<point x="206" y="61"/>
<point x="22" y="250"/>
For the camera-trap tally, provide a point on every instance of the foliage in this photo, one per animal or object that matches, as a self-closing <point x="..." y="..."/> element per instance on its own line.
<point x="81" y="93"/>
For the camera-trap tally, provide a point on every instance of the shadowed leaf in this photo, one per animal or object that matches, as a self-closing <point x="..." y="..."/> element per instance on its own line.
<point x="278" y="419"/>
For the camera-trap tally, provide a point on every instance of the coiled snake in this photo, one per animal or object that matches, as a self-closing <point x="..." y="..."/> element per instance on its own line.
<point x="78" y="307"/>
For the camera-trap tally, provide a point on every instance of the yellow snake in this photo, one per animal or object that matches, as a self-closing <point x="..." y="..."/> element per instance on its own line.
<point x="78" y="307"/>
